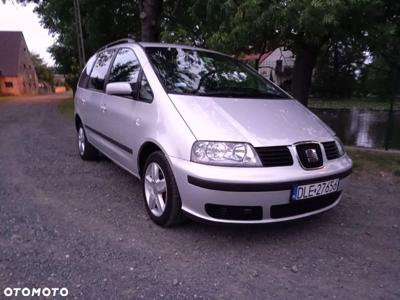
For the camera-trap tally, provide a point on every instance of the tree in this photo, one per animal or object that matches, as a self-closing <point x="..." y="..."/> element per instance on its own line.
<point x="43" y="72"/>
<point x="150" y="18"/>
<point x="339" y="69"/>
<point x="310" y="28"/>
<point x="304" y="26"/>
<point x="384" y="41"/>
<point x="58" y="17"/>
<point x="307" y="26"/>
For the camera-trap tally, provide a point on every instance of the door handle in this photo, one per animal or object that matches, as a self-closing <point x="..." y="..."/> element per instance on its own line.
<point x="103" y="108"/>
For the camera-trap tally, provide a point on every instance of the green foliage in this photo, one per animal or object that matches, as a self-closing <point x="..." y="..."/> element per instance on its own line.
<point x="384" y="41"/>
<point x="333" y="34"/>
<point x="376" y="79"/>
<point x="230" y="26"/>
<point x="102" y="22"/>
<point x="338" y="69"/>
<point x="43" y="72"/>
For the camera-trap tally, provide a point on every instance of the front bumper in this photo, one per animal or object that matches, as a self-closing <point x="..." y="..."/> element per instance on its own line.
<point x="254" y="195"/>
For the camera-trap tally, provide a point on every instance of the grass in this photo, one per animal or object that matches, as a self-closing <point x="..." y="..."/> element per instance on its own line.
<point x="66" y="107"/>
<point x="367" y="103"/>
<point x="375" y="161"/>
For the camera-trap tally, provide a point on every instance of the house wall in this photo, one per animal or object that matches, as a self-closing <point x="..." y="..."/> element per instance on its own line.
<point x="26" y="81"/>
<point x="15" y="90"/>
<point x="21" y="84"/>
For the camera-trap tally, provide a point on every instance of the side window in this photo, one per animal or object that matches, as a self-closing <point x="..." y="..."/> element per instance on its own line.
<point x="83" y="80"/>
<point x="126" y="68"/>
<point x="100" y="69"/>
<point x="145" y="92"/>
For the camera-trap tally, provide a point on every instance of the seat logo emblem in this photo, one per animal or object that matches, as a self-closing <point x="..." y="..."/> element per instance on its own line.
<point x="312" y="155"/>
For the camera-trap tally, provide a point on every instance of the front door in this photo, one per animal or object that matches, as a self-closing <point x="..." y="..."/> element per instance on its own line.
<point x="120" y="112"/>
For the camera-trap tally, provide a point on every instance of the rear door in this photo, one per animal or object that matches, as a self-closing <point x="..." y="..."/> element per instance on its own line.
<point x="94" y="99"/>
<point x="121" y="111"/>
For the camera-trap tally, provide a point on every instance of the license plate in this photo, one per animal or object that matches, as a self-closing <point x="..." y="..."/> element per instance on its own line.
<point x="314" y="189"/>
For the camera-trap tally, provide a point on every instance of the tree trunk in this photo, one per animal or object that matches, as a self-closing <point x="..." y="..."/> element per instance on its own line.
<point x="306" y="58"/>
<point x="150" y="17"/>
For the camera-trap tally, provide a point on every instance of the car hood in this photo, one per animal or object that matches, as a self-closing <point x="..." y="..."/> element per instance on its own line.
<point x="257" y="121"/>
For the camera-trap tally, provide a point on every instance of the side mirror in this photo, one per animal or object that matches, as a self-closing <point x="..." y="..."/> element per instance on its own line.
<point x="119" y="88"/>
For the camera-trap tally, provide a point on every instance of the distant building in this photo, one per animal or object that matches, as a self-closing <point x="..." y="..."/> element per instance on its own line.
<point x="276" y="65"/>
<point x="59" y="84"/>
<point x="17" y="73"/>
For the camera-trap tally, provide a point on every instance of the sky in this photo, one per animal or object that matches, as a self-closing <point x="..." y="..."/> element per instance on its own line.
<point x="15" y="17"/>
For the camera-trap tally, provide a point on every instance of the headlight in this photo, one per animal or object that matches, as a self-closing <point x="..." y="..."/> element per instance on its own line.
<point x="225" y="154"/>
<point x="340" y="146"/>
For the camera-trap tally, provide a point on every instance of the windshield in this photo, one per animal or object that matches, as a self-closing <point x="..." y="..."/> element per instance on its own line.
<point x="203" y="73"/>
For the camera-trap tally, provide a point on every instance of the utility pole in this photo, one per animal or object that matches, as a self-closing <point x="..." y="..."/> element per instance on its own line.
<point x="79" y="35"/>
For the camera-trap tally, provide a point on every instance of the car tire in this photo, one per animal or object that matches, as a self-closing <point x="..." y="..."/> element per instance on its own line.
<point x="160" y="192"/>
<point x="86" y="150"/>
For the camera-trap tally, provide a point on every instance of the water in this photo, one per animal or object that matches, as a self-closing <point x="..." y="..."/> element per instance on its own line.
<point x="362" y="127"/>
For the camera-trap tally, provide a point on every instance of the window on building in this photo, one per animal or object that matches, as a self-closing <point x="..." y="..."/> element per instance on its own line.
<point x="9" y="84"/>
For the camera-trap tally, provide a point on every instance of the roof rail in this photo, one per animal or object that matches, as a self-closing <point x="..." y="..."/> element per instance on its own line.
<point x="117" y="42"/>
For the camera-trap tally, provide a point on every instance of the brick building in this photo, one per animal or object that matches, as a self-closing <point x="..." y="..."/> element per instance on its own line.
<point x="17" y="73"/>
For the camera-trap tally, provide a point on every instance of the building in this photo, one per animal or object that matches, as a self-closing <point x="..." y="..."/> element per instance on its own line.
<point x="276" y="65"/>
<point x="17" y="73"/>
<point x="60" y="85"/>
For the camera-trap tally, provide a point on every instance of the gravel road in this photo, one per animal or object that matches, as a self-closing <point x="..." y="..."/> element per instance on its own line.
<point x="82" y="225"/>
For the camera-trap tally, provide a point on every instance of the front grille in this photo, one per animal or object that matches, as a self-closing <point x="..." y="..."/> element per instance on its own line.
<point x="231" y="212"/>
<point x="310" y="155"/>
<point x="331" y="150"/>
<point x="303" y="206"/>
<point x="275" y="156"/>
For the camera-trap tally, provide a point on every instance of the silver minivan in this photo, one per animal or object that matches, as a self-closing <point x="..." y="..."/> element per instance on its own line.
<point x="207" y="135"/>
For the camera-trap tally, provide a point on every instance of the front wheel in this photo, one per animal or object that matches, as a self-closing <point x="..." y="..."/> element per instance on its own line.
<point x="86" y="149"/>
<point x="161" y="195"/>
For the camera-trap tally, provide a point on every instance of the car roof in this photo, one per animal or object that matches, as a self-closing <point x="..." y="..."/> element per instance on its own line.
<point x="169" y="45"/>
<point x="127" y="42"/>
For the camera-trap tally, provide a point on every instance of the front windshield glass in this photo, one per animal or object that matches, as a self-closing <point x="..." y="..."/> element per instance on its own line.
<point x="203" y="73"/>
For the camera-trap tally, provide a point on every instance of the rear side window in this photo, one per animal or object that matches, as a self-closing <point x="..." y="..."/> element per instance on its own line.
<point x="83" y="81"/>
<point x="126" y="67"/>
<point x="99" y="72"/>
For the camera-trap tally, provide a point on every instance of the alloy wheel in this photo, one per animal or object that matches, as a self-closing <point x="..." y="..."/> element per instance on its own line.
<point x="155" y="187"/>
<point x="81" y="141"/>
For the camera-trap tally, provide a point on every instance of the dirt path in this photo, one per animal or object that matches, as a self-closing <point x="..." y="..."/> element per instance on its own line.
<point x="69" y="223"/>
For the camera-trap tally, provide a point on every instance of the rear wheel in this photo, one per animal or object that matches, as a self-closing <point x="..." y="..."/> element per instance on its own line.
<point x="161" y="195"/>
<point x="86" y="150"/>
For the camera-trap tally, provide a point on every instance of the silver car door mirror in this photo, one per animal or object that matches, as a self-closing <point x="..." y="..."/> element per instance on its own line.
<point x="119" y="88"/>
